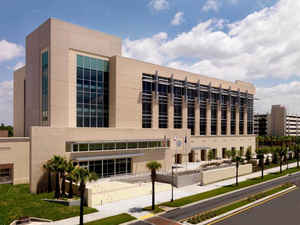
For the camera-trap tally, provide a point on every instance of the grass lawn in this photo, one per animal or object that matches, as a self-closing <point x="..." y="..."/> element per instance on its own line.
<point x="213" y="213"/>
<point x="113" y="220"/>
<point x="222" y="190"/>
<point x="16" y="201"/>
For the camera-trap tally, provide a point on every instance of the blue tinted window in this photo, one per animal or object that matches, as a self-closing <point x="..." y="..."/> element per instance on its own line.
<point x="92" y="92"/>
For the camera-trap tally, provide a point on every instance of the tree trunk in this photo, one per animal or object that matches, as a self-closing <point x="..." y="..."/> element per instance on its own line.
<point x="262" y="169"/>
<point x="153" y="194"/>
<point x="82" y="188"/>
<point x="63" y="186"/>
<point x="297" y="159"/>
<point x="237" y="176"/>
<point x="49" y="182"/>
<point x="71" y="189"/>
<point x="280" y="165"/>
<point x="57" y="187"/>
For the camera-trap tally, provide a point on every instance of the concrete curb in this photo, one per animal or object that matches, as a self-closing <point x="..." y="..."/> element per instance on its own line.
<point x="243" y="207"/>
<point x="231" y="192"/>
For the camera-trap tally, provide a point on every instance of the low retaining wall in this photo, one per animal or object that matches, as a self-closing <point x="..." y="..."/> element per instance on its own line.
<point x="211" y="176"/>
<point x="180" y="180"/>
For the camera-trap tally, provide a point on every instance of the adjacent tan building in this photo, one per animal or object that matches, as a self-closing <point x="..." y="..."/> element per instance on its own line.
<point x="277" y="123"/>
<point x="78" y="97"/>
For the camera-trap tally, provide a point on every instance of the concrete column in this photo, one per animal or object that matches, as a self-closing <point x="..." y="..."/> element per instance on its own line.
<point x="219" y="119"/>
<point x="155" y="112"/>
<point x="228" y="119"/>
<point x="208" y="119"/>
<point x="197" y="117"/>
<point x="245" y="120"/>
<point x="237" y="119"/>
<point x="184" y="113"/>
<point x="170" y="113"/>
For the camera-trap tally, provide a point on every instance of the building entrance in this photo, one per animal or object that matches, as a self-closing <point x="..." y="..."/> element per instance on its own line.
<point x="110" y="167"/>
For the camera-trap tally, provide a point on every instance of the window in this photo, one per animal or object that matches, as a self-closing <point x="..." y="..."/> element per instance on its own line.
<point x="147" y="103"/>
<point x="45" y="86"/>
<point x="6" y="175"/>
<point x="123" y="145"/>
<point x="92" y="92"/>
<point x="178" y="91"/>
<point x="224" y="101"/>
<point x="214" y="109"/>
<point x="163" y="106"/>
<point x="233" y="116"/>
<point x="250" y="115"/>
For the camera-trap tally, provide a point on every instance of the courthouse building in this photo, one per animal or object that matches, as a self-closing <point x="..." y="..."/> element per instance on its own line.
<point x="78" y="97"/>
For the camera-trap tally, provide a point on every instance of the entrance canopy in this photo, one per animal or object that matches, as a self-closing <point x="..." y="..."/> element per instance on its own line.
<point x="102" y="157"/>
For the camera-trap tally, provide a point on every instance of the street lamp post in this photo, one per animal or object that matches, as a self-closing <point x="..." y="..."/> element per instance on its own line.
<point x="172" y="183"/>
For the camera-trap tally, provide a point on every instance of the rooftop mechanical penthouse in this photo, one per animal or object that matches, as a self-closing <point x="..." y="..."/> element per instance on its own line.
<point x="78" y="97"/>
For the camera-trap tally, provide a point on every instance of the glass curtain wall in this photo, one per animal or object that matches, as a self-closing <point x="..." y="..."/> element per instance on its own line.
<point x="214" y="110"/>
<point x="45" y="85"/>
<point x="163" y="105"/>
<point x="92" y="92"/>
<point x="178" y="95"/>
<point x="233" y="115"/>
<point x="191" y="94"/>
<point x="109" y="167"/>
<point x="250" y="115"/>
<point x="242" y="105"/>
<point x="224" y="102"/>
<point x="147" y="102"/>
<point x="203" y="111"/>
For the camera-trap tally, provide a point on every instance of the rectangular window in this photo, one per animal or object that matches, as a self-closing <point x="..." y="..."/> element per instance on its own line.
<point x="45" y="85"/>
<point x="147" y="104"/>
<point x="92" y="91"/>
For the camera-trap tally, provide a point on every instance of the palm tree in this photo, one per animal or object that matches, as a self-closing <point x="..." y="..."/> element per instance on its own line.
<point x="70" y="177"/>
<point x="233" y="154"/>
<point x="153" y="167"/>
<point x="62" y="171"/>
<point x="211" y="155"/>
<point x="281" y="152"/>
<point x="82" y="176"/>
<point x="260" y="155"/>
<point x="238" y="159"/>
<point x="56" y="163"/>
<point x="248" y="154"/>
<point x="297" y="151"/>
<point x="48" y="167"/>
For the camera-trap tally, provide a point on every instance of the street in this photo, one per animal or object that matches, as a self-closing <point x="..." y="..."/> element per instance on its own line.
<point x="186" y="212"/>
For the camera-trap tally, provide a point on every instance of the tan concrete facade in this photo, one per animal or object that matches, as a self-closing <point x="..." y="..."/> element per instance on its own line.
<point x="56" y="144"/>
<point x="19" y="102"/>
<point x="64" y="42"/>
<point x="15" y="152"/>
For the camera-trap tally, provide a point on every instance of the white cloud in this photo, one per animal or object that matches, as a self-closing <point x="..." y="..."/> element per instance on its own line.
<point x="264" y="44"/>
<point x="9" y="50"/>
<point x="19" y="65"/>
<point x="177" y="19"/>
<point x="215" y="5"/>
<point x="211" y="5"/>
<point x="287" y="94"/>
<point x="6" y="102"/>
<point x="159" y="4"/>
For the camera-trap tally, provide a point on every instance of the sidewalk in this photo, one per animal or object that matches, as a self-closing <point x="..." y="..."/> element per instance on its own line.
<point x="129" y="205"/>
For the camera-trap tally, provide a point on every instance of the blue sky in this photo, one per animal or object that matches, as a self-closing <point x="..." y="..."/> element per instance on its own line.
<point x="228" y="39"/>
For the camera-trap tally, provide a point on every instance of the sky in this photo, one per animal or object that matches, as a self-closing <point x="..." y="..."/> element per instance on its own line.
<point x="250" y="40"/>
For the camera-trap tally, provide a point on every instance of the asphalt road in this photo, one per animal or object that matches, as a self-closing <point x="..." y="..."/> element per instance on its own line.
<point x="283" y="210"/>
<point x="186" y="212"/>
